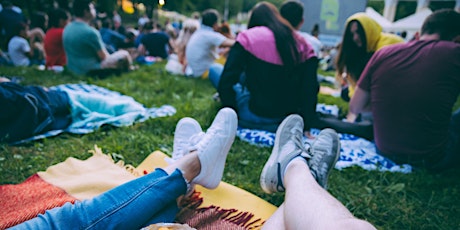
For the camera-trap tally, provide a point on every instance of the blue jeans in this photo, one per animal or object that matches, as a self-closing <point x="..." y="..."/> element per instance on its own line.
<point x="133" y="205"/>
<point x="215" y="71"/>
<point x="248" y="119"/>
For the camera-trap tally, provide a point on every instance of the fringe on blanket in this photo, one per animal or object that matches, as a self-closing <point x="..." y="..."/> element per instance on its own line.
<point x="214" y="217"/>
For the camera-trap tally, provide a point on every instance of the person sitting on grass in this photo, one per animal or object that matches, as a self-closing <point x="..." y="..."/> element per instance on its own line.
<point x="20" y="51"/>
<point x="155" y="43"/>
<point x="411" y="90"/>
<point x="270" y="73"/>
<point x="54" y="48"/>
<point x="201" y="50"/>
<point x="84" y="47"/>
<point x="152" y="198"/>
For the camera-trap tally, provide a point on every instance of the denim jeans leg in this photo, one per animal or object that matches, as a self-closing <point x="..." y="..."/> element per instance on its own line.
<point x="128" y="206"/>
<point x="215" y="71"/>
<point x="248" y="119"/>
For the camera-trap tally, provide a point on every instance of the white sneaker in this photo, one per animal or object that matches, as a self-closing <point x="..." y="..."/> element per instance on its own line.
<point x="187" y="129"/>
<point x="324" y="151"/>
<point x="214" y="147"/>
<point x="288" y="145"/>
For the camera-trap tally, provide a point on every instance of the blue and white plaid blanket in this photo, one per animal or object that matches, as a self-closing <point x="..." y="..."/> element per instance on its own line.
<point x="93" y="106"/>
<point x="355" y="151"/>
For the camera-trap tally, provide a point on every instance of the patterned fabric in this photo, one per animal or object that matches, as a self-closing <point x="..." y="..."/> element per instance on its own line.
<point x="355" y="151"/>
<point x="24" y="201"/>
<point x="117" y="110"/>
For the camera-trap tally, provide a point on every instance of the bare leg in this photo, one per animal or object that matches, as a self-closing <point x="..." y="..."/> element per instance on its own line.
<point x="308" y="206"/>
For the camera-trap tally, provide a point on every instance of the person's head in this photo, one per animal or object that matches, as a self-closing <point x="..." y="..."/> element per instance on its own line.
<point x="190" y="25"/>
<point x="352" y="54"/>
<point x="210" y="17"/>
<point x="21" y="29"/>
<point x="355" y="34"/>
<point x="148" y="26"/>
<point x="58" y="18"/>
<point x="84" y="9"/>
<point x="404" y="34"/>
<point x="444" y="23"/>
<point x="292" y="11"/>
<point x="39" y="20"/>
<point x="266" y="14"/>
<point x="107" y="23"/>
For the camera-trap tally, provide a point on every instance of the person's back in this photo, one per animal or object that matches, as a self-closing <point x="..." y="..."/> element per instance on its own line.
<point x="156" y="44"/>
<point x="81" y="44"/>
<point x="19" y="49"/>
<point x="266" y="74"/>
<point x="264" y="79"/>
<point x="53" y="44"/>
<point x="413" y="88"/>
<point x="201" y="50"/>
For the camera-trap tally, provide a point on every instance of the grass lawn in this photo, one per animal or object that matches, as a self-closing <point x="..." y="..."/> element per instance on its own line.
<point x="388" y="200"/>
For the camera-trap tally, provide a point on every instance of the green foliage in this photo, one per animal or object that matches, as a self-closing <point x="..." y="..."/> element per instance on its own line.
<point x="388" y="200"/>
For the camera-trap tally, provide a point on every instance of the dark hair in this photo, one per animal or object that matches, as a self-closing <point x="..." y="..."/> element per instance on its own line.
<point x="349" y="53"/>
<point x="80" y="6"/>
<point x="266" y="14"/>
<point x="148" y="26"/>
<point x="39" y="20"/>
<point x="292" y="11"/>
<point x="445" y="23"/>
<point x="209" y="17"/>
<point x="20" y="26"/>
<point x="107" y="23"/>
<point x="55" y="16"/>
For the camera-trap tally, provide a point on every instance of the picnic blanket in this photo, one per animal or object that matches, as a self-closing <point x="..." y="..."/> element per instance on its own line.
<point x="74" y="179"/>
<point x="93" y="106"/>
<point x="355" y="151"/>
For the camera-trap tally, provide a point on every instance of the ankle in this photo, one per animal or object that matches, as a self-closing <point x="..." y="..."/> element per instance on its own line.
<point x="296" y="164"/>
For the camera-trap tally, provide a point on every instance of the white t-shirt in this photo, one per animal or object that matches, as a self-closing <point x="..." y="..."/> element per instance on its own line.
<point x="313" y="41"/>
<point x="17" y="49"/>
<point x="201" y="50"/>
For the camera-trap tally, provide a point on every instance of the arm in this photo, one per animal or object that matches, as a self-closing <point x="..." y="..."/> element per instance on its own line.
<point x="227" y="43"/>
<point x="360" y="102"/>
<point x="234" y="67"/>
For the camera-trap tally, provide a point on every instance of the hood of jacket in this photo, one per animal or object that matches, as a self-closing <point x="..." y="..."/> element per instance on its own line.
<point x="375" y="38"/>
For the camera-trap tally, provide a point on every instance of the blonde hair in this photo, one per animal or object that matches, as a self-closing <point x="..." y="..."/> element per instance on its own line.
<point x="188" y="28"/>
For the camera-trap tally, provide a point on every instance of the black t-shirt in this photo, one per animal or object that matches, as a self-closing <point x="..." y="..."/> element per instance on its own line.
<point x="156" y="44"/>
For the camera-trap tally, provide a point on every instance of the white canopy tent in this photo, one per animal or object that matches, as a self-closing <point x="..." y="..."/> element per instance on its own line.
<point x="412" y="23"/>
<point x="382" y="21"/>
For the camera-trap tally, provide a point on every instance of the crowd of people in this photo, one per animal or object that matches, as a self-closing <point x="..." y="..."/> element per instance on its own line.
<point x="401" y="96"/>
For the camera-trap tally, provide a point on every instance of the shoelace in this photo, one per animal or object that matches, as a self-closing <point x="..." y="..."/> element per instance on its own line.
<point x="186" y="146"/>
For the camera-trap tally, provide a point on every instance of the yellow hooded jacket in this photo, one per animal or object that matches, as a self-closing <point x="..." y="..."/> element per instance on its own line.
<point x="375" y="38"/>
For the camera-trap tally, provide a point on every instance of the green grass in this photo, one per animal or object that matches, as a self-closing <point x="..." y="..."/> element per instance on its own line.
<point x="388" y="200"/>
